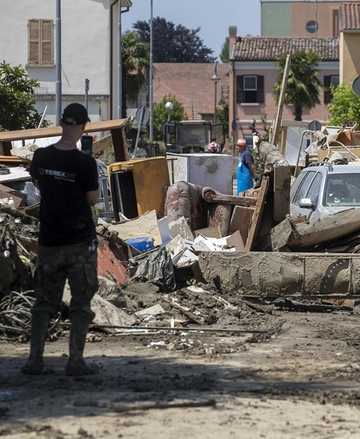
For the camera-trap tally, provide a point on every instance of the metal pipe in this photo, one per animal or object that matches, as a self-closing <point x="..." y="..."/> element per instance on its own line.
<point x="119" y="68"/>
<point x="87" y="82"/>
<point x="58" y="90"/>
<point x="167" y="328"/>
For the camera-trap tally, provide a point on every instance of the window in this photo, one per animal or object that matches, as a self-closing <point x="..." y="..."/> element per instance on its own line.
<point x="303" y="186"/>
<point x="312" y="27"/>
<point x="330" y="80"/>
<point x="41" y="42"/>
<point x="250" y="89"/>
<point x="314" y="189"/>
<point x="335" y="23"/>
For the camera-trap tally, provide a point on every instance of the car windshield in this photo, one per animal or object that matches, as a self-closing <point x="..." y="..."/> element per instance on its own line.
<point x="342" y="190"/>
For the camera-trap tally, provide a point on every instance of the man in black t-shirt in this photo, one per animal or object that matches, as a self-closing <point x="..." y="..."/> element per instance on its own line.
<point x="67" y="250"/>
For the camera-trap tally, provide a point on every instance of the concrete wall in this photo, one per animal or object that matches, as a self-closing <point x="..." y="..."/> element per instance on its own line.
<point x="276" y="19"/>
<point x="289" y="18"/>
<point x="349" y="56"/>
<point x="321" y="12"/>
<point x="283" y="274"/>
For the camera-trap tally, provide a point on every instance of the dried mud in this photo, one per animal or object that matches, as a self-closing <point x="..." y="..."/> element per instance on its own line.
<point x="297" y="379"/>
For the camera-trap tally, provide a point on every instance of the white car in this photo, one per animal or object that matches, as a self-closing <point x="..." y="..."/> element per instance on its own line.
<point x="323" y="189"/>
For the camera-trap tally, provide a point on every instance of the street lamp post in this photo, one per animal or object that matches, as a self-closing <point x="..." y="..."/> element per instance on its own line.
<point x="215" y="79"/>
<point x="169" y="106"/>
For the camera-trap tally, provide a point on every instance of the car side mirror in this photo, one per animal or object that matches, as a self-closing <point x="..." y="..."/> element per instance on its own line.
<point x="306" y="203"/>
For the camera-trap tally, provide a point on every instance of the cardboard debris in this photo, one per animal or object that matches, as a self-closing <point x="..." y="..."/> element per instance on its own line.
<point x="144" y="225"/>
<point x="180" y="227"/>
<point x="151" y="311"/>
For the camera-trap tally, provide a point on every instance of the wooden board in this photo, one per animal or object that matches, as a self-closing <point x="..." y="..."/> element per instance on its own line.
<point x="259" y="208"/>
<point x="324" y="229"/>
<point x="282" y="178"/>
<point x="101" y="144"/>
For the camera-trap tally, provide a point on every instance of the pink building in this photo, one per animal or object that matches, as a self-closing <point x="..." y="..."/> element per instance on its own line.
<point x="253" y="74"/>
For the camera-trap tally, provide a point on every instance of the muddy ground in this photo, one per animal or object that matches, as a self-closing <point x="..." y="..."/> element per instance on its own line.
<point x="298" y="379"/>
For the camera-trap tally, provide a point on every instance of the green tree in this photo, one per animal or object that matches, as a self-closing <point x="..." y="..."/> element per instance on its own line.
<point x="303" y="85"/>
<point x="344" y="106"/>
<point x="135" y="60"/>
<point x="224" y="55"/>
<point x="160" y="114"/>
<point x="17" y="103"/>
<point x="174" y="44"/>
<point x="222" y="114"/>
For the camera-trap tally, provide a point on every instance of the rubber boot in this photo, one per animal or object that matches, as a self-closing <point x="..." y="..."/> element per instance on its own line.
<point x="39" y="326"/>
<point x="76" y="365"/>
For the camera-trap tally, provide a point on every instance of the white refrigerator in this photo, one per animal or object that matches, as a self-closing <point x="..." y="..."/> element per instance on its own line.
<point x="206" y="170"/>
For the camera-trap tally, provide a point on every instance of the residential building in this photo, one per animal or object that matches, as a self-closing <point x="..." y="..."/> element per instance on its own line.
<point x="349" y="42"/>
<point x="253" y="74"/>
<point x="300" y="18"/>
<point x="89" y="41"/>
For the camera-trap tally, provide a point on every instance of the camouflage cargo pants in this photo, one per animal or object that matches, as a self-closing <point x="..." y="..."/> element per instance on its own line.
<point x="76" y="263"/>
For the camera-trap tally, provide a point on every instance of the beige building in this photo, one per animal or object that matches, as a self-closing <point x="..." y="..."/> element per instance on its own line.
<point x="300" y="18"/>
<point x="349" y="18"/>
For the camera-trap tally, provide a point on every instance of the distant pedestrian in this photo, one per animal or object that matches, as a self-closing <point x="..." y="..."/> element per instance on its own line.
<point x="246" y="173"/>
<point x="213" y="146"/>
<point x="67" y="249"/>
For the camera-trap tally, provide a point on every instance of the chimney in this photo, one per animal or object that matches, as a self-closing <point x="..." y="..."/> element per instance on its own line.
<point x="232" y="38"/>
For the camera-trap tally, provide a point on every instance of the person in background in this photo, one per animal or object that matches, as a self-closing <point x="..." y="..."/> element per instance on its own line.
<point x="213" y="146"/>
<point x="67" y="250"/>
<point x="246" y="173"/>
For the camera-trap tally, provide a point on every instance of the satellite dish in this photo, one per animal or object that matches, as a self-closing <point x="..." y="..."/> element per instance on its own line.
<point x="356" y="86"/>
<point x="315" y="125"/>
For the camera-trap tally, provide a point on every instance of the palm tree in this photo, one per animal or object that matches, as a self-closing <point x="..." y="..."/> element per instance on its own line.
<point x="135" y="60"/>
<point x="303" y="84"/>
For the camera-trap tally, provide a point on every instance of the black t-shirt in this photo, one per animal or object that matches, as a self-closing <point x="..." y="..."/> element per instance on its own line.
<point x="64" y="177"/>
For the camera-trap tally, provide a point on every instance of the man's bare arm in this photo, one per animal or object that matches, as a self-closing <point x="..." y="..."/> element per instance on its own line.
<point x="252" y="170"/>
<point x="92" y="197"/>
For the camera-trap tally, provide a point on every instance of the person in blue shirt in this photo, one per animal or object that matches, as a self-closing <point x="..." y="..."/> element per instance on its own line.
<point x="246" y="173"/>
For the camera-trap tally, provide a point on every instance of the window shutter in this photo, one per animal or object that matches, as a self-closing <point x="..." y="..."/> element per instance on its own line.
<point x="34" y="42"/>
<point x="239" y="89"/>
<point x="260" y="90"/>
<point x="46" y="42"/>
<point x="327" y="92"/>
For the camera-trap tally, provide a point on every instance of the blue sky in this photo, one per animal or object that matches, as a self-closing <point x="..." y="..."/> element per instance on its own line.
<point x="212" y="16"/>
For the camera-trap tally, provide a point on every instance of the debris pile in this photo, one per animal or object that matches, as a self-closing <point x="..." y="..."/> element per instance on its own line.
<point x="151" y="266"/>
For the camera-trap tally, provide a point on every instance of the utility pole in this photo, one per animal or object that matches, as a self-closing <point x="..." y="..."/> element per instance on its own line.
<point x="58" y="91"/>
<point x="151" y="76"/>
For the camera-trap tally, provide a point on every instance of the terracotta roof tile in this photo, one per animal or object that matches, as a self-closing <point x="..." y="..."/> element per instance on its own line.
<point x="190" y="84"/>
<point x="349" y="17"/>
<point x="270" y="48"/>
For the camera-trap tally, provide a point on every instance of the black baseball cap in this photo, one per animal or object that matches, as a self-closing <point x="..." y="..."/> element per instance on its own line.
<point x="75" y="114"/>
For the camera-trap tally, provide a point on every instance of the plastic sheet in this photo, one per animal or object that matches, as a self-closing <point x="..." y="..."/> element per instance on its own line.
<point x="158" y="269"/>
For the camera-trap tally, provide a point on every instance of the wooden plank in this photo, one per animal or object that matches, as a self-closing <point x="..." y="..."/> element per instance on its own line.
<point x="7" y="159"/>
<point x="282" y="179"/>
<point x="120" y="145"/>
<point x="259" y="208"/>
<point x="328" y="228"/>
<point x="275" y="132"/>
<point x="211" y="196"/>
<point x="37" y="133"/>
<point x="101" y="144"/>
<point x="241" y="220"/>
